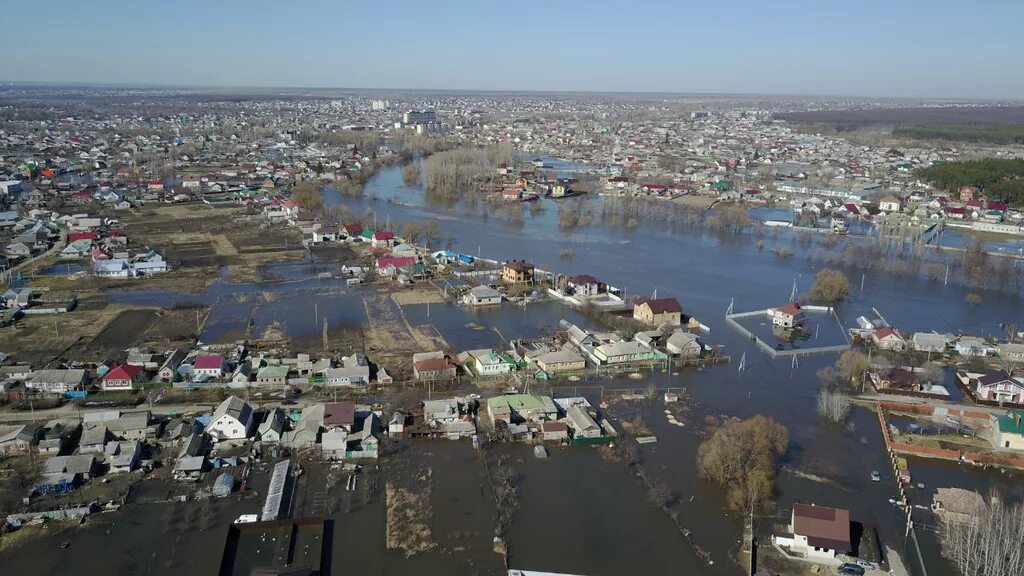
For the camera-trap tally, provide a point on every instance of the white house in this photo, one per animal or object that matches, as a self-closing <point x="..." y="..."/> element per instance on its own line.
<point x="231" y="420"/>
<point x="272" y="427"/>
<point x="888" y="338"/>
<point x="113" y="268"/>
<point x="482" y="296"/>
<point x="817" y="532"/>
<point x="209" y="366"/>
<point x="972" y="346"/>
<point x="487" y="362"/>
<point x="929" y="341"/>
<point x="684" y="344"/>
<point x="354" y="371"/>
<point x="788" y="315"/>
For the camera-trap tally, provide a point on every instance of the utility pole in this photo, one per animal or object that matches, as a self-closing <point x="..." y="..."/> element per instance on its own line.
<point x="325" y="337"/>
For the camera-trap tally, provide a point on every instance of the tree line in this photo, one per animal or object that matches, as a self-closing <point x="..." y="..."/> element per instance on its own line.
<point x="1000" y="179"/>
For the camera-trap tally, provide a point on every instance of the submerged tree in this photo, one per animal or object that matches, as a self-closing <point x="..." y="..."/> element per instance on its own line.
<point x="741" y="456"/>
<point x="833" y="405"/>
<point x="987" y="542"/>
<point x="830" y="286"/>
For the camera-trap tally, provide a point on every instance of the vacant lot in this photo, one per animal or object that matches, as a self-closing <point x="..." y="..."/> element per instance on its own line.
<point x="120" y="333"/>
<point x="200" y="236"/>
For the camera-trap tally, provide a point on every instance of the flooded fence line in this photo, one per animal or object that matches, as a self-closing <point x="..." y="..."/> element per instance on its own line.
<point x="731" y="320"/>
<point x="910" y="536"/>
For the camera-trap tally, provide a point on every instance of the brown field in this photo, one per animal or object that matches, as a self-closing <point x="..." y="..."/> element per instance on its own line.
<point x="199" y="236"/>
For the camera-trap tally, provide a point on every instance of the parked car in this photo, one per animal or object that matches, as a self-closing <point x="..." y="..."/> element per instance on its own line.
<point x="849" y="569"/>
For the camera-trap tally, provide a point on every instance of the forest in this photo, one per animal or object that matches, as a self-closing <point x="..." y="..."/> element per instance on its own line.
<point x="999" y="179"/>
<point x="974" y="134"/>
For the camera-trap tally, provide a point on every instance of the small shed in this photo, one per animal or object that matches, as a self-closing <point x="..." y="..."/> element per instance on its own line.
<point x="224" y="485"/>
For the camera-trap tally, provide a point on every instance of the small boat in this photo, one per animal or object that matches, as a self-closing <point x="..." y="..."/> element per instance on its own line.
<point x="875" y="476"/>
<point x="540" y="452"/>
<point x="65" y="544"/>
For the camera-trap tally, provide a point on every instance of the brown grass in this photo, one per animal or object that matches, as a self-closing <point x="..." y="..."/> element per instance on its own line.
<point x="408" y="517"/>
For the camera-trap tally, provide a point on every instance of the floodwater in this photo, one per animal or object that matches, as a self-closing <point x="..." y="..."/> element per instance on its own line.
<point x="288" y="297"/>
<point x="706" y="272"/>
<point x="579" y="513"/>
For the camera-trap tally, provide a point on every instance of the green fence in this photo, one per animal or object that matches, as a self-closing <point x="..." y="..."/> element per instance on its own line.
<point x="599" y="441"/>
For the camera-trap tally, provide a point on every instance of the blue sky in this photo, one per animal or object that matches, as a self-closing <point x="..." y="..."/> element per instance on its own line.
<point x="936" y="48"/>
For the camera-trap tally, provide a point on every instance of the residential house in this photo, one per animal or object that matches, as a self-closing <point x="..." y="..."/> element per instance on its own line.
<point x="390" y="265"/>
<point x="563" y="360"/>
<point x="211" y="367"/>
<point x="517" y="272"/>
<point x="69" y="470"/>
<point x="482" y="296"/>
<point x="168" y="371"/>
<point x="383" y="239"/>
<point x="1012" y="352"/>
<point x="658" y="311"/>
<point x="122" y="377"/>
<point x="1008" y="430"/>
<point x="326" y="233"/>
<point x="231" y="420"/>
<point x="135" y="425"/>
<point x="998" y="387"/>
<point x="354" y="371"/>
<point x="57" y="381"/>
<point x="334" y="445"/>
<point x="15" y="439"/>
<point x="583" y="424"/>
<point x="122" y="456"/>
<point x="788" y="315"/>
<point x="972" y="346"/>
<point x="59" y="435"/>
<point x="242" y="375"/>
<point x="817" y="532"/>
<point x="486" y="362"/>
<point x="112" y="268"/>
<point x="888" y="338"/>
<point x="930" y="342"/>
<point x="272" y="376"/>
<point x="554" y="431"/>
<point x="897" y="379"/>
<point x="684" y="344"/>
<point x="586" y="285"/>
<point x="516" y="408"/>
<point x="624" y="352"/>
<point x="339" y="415"/>
<point x="362" y="442"/>
<point x="272" y="426"/>
<point x="433" y="366"/>
<point x="306" y="432"/>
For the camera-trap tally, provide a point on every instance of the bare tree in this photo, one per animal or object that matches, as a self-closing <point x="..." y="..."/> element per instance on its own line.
<point x="989" y="543"/>
<point x="833" y="405"/>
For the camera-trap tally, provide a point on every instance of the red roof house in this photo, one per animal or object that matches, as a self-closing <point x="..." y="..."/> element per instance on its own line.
<point x="122" y="377"/>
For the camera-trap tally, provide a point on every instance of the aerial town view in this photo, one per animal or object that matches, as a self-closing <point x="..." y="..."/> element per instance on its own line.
<point x="381" y="290"/>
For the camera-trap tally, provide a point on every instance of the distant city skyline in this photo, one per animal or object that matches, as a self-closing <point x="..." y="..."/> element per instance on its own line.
<point x="916" y="49"/>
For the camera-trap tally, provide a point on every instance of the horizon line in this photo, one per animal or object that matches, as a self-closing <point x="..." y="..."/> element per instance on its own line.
<point x="7" y="84"/>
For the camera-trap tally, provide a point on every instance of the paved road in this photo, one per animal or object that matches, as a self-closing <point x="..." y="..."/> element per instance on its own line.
<point x="71" y="410"/>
